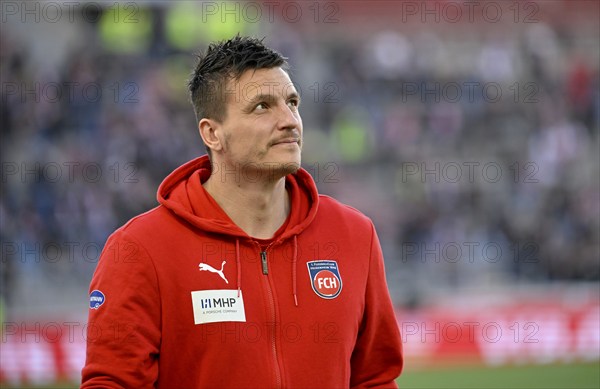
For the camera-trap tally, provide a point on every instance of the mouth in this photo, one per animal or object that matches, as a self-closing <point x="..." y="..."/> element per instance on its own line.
<point x="288" y="141"/>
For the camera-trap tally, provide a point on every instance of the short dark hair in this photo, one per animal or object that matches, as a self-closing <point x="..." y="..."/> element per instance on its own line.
<point x="221" y="62"/>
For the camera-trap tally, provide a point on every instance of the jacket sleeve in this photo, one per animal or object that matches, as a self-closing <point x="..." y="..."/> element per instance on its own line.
<point x="123" y="333"/>
<point x="377" y="357"/>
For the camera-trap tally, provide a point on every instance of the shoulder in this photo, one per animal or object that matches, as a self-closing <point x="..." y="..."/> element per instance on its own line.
<point x="147" y="226"/>
<point x="144" y="220"/>
<point x="137" y="240"/>
<point x="332" y="208"/>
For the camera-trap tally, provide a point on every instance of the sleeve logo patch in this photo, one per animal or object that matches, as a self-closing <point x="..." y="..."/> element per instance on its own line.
<point x="325" y="278"/>
<point x="96" y="299"/>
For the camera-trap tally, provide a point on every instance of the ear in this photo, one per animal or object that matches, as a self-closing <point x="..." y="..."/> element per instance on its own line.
<point x="208" y="129"/>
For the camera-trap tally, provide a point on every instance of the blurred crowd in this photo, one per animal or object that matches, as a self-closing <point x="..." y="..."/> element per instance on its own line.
<point x="475" y="154"/>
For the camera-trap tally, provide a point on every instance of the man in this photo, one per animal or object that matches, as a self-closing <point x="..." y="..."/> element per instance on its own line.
<point x="243" y="276"/>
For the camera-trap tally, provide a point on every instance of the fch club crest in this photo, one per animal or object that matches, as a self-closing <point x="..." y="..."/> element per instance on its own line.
<point x="325" y="278"/>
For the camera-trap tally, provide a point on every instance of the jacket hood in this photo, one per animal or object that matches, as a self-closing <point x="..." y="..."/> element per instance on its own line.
<point x="182" y="193"/>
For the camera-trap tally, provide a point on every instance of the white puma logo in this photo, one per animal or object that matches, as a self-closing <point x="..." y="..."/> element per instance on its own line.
<point x="206" y="267"/>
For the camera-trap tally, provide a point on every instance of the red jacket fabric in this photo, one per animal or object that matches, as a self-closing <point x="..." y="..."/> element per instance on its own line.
<point x="321" y="316"/>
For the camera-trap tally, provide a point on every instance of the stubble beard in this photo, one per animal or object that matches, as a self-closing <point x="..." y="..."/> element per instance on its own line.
<point x="265" y="170"/>
<point x="272" y="171"/>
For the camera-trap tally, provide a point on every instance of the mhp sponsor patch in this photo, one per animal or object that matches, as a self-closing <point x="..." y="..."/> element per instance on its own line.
<point x="325" y="278"/>
<point x="96" y="299"/>
<point x="218" y="305"/>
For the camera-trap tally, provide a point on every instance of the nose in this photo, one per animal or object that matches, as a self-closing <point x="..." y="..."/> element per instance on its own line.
<point x="289" y="119"/>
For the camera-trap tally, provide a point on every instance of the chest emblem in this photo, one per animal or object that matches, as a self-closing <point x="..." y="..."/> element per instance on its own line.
<point x="325" y="278"/>
<point x="207" y="267"/>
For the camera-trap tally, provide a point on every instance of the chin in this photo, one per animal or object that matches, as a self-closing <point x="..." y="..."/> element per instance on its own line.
<point x="283" y="165"/>
<point x="270" y="170"/>
<point x="291" y="167"/>
<point x="283" y="168"/>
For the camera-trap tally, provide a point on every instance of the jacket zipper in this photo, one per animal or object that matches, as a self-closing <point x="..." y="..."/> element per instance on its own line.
<point x="263" y="259"/>
<point x="265" y="270"/>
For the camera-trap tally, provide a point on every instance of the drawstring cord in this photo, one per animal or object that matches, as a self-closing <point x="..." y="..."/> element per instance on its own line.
<point x="238" y="266"/>
<point x="294" y="261"/>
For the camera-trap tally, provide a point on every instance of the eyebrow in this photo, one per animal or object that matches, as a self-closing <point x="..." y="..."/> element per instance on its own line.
<point x="269" y="98"/>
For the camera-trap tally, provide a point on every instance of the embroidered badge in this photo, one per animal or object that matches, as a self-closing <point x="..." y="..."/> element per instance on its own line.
<point x="325" y="278"/>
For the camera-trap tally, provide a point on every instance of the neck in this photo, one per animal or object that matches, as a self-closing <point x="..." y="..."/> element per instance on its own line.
<point x="258" y="208"/>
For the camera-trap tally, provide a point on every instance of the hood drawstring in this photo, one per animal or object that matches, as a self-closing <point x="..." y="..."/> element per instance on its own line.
<point x="238" y="266"/>
<point x="294" y="262"/>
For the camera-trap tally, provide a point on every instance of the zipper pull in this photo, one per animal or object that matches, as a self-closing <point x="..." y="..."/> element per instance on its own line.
<point x="263" y="259"/>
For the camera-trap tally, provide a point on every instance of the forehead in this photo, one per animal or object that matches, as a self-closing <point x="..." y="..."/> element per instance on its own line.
<point x="253" y="82"/>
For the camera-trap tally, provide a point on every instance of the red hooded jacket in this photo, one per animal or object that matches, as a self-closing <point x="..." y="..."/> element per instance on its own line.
<point x="183" y="298"/>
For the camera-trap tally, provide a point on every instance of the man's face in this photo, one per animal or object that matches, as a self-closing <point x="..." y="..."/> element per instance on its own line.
<point x="262" y="129"/>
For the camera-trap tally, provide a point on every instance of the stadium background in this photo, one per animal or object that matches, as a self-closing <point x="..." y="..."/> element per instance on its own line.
<point x="468" y="131"/>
